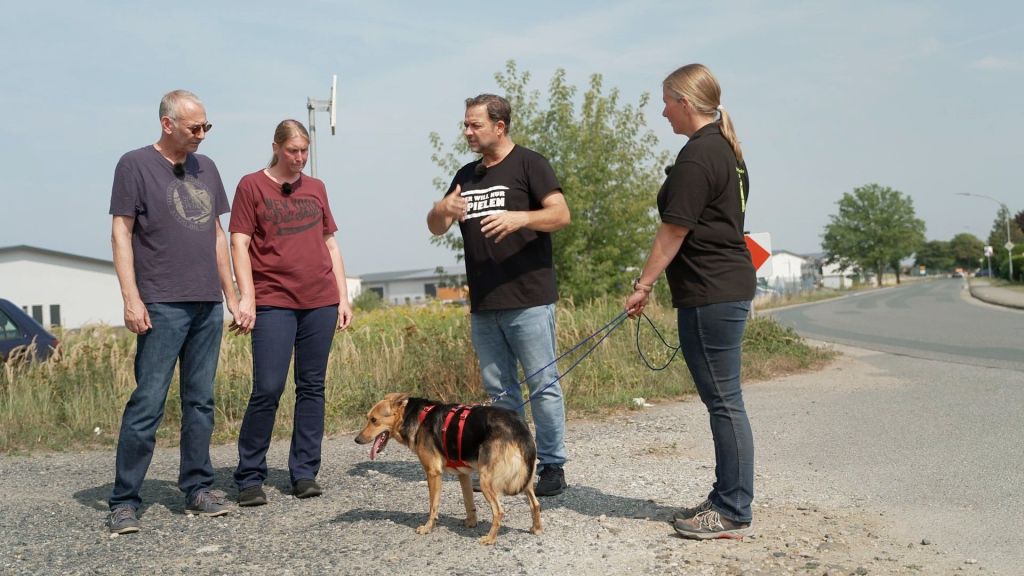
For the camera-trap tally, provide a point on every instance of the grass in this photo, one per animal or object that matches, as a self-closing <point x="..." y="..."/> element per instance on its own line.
<point x="75" y="400"/>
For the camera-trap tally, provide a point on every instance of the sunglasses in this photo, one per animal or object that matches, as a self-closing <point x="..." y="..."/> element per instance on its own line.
<point x="199" y="128"/>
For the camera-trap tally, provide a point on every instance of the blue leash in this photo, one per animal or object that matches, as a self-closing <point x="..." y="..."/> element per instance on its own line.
<point x="610" y="327"/>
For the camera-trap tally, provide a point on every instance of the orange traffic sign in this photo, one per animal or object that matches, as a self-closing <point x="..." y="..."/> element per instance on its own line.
<point x="760" y="246"/>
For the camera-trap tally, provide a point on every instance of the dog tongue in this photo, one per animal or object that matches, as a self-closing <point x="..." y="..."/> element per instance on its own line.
<point x="378" y="444"/>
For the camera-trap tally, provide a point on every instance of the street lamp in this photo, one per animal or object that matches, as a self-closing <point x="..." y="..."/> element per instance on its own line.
<point x="1006" y="212"/>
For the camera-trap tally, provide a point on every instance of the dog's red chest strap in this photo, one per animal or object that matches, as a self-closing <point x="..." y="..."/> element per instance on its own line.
<point x="463" y="412"/>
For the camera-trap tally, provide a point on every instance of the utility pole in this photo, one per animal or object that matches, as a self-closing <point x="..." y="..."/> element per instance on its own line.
<point x="330" y="105"/>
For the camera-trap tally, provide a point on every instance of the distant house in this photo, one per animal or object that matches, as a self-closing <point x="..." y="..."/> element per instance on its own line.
<point x="62" y="289"/>
<point x="445" y="283"/>
<point x="791" y="272"/>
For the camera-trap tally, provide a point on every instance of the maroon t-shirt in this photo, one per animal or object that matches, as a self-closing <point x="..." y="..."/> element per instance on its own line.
<point x="291" y="266"/>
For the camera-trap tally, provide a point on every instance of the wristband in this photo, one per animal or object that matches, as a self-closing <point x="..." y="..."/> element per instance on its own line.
<point x="642" y="287"/>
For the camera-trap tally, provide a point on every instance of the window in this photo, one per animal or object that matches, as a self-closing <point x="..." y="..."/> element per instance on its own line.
<point x="8" y="330"/>
<point x="37" y="313"/>
<point x="379" y="290"/>
<point x="54" y="314"/>
<point x="430" y="290"/>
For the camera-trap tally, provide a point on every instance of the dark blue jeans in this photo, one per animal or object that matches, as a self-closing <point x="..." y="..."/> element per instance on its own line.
<point x="185" y="331"/>
<point x="277" y="332"/>
<point x="711" y="338"/>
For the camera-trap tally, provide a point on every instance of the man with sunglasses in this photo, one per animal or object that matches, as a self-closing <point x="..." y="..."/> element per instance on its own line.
<point x="171" y="258"/>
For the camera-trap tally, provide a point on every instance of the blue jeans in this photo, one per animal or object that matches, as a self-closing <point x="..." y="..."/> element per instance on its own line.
<point x="277" y="332"/>
<point x="711" y="338"/>
<point x="185" y="331"/>
<point x="527" y="335"/>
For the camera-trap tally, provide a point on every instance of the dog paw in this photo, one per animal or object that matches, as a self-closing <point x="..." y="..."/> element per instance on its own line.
<point x="469" y="523"/>
<point x="487" y="540"/>
<point x="536" y="530"/>
<point x="425" y="529"/>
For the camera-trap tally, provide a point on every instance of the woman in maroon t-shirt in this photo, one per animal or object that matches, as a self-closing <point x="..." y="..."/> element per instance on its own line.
<point x="293" y="296"/>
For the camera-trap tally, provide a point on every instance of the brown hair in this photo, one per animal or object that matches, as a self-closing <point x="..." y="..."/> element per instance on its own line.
<point x="498" y="108"/>
<point x="698" y="85"/>
<point x="284" y="132"/>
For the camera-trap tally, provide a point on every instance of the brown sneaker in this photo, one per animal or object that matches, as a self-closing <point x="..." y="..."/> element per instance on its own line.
<point x="687" y="513"/>
<point x="709" y="525"/>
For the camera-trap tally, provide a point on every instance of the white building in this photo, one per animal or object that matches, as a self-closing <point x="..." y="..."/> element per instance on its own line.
<point x="61" y="289"/>
<point x="417" y="286"/>
<point x="791" y="272"/>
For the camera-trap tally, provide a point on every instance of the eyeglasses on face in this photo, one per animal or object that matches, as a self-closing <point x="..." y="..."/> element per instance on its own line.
<point x="199" y="128"/>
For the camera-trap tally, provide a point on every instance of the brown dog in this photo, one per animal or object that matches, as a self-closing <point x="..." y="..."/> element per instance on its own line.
<point x="459" y="439"/>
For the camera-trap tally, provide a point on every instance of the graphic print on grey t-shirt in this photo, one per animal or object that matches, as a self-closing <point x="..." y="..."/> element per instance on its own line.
<point x="485" y="201"/>
<point x="190" y="202"/>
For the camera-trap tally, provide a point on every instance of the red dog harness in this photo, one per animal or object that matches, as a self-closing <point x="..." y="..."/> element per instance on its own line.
<point x="463" y="412"/>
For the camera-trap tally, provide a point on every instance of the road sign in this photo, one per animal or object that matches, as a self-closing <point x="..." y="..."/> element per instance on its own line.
<point x="760" y="246"/>
<point x="1008" y="245"/>
<point x="988" y="251"/>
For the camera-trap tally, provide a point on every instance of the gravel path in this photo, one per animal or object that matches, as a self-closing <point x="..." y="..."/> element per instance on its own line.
<point x="626" y="476"/>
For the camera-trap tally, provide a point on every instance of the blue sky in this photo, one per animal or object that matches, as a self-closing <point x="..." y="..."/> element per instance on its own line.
<point x="922" y="96"/>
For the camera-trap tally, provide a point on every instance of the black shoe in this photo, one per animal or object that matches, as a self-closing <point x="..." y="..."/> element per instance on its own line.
<point x="306" y="488"/>
<point x="252" y="496"/>
<point x="551" y="482"/>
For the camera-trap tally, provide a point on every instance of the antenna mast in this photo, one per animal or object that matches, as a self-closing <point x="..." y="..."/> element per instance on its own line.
<point x="330" y="106"/>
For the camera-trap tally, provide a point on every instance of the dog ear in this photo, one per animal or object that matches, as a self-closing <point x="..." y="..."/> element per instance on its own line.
<point x="399" y="400"/>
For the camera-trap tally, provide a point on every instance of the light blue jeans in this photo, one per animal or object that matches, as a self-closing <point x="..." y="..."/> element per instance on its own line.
<point x="503" y="339"/>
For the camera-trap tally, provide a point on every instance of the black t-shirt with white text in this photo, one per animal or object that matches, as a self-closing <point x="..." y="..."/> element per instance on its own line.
<point x="706" y="191"/>
<point x="516" y="272"/>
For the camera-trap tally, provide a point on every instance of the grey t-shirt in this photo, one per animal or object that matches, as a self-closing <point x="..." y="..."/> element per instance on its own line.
<point x="174" y="238"/>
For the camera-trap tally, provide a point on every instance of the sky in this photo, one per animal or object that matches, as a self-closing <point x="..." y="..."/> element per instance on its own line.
<point x="921" y="96"/>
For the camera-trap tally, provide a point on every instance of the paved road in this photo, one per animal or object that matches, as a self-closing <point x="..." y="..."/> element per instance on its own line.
<point x="935" y="320"/>
<point x="935" y="434"/>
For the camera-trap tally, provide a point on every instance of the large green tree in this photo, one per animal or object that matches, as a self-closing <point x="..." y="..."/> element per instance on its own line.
<point x="966" y="249"/>
<point x="606" y="160"/>
<point x="875" y="226"/>
<point x="936" y="256"/>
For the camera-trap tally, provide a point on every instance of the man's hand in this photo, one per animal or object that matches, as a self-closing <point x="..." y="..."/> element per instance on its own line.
<point x="136" y="317"/>
<point x="245" y="320"/>
<point x="500" y="225"/>
<point x="453" y="205"/>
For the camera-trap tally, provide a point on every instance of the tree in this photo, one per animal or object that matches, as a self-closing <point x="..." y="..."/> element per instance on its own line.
<point x="604" y="156"/>
<point x="935" y="256"/>
<point x="1019" y="219"/>
<point x="966" y="249"/>
<point x="997" y="240"/>
<point x="875" y="226"/>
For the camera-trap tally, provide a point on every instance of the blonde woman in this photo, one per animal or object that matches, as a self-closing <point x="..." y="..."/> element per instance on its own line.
<point x="293" y="296"/>
<point x="700" y="247"/>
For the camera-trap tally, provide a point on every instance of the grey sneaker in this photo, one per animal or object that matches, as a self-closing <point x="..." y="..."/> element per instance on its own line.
<point x="122" y="520"/>
<point x="207" y="503"/>
<point x="687" y="513"/>
<point x="708" y="525"/>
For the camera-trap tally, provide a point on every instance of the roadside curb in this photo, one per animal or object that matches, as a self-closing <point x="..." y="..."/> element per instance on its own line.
<point x="996" y="296"/>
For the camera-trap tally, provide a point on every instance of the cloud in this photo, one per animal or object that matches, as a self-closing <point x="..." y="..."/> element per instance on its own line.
<point x="997" y="63"/>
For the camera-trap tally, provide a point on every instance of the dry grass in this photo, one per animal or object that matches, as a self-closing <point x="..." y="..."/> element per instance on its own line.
<point x="75" y="400"/>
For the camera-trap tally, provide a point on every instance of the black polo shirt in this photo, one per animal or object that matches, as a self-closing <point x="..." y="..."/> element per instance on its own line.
<point x="706" y="191"/>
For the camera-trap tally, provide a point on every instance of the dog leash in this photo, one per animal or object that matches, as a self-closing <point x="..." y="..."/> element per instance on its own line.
<point x="607" y="329"/>
<point x="674" y="349"/>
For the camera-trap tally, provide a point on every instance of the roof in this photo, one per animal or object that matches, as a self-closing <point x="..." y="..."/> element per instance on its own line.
<point x="419" y="273"/>
<point x="29" y="250"/>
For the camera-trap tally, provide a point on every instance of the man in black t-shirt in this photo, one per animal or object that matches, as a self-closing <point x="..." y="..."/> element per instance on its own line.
<point x="507" y="204"/>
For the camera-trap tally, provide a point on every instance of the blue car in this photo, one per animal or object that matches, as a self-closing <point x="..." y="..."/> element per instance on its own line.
<point x="18" y="330"/>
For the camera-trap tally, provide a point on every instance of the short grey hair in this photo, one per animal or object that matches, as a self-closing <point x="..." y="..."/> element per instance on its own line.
<point x="172" y="101"/>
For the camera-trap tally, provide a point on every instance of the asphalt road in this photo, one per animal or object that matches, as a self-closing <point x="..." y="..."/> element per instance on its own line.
<point x="935" y="435"/>
<point x="935" y="320"/>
